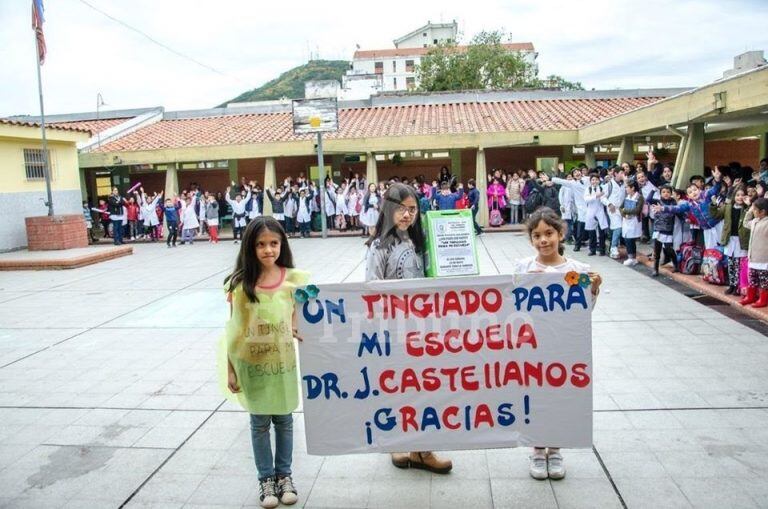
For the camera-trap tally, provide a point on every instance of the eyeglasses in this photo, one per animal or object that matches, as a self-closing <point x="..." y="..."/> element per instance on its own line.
<point x="402" y="209"/>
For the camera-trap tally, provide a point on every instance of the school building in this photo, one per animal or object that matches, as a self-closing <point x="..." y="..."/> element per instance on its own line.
<point x="410" y="134"/>
<point x="22" y="178"/>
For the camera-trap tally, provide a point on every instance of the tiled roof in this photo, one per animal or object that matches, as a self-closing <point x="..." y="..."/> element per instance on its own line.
<point x="94" y="126"/>
<point x="415" y="52"/>
<point x="8" y="121"/>
<point x="381" y="121"/>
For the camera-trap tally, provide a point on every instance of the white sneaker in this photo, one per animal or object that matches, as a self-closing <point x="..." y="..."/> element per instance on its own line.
<point x="286" y="491"/>
<point x="555" y="466"/>
<point x="630" y="262"/>
<point x="614" y="252"/>
<point x="268" y="493"/>
<point x="538" y="466"/>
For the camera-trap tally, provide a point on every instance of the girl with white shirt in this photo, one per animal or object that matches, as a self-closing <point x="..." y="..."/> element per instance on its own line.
<point x="546" y="232"/>
<point x="353" y="202"/>
<point x="595" y="222"/>
<point x="613" y="200"/>
<point x="342" y="211"/>
<point x="631" y="225"/>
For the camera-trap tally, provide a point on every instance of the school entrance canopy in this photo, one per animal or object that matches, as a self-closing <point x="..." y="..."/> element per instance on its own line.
<point x="471" y="132"/>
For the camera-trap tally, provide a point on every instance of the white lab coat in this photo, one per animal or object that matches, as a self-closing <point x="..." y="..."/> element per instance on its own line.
<point x="615" y="194"/>
<point x="188" y="216"/>
<point x="341" y="203"/>
<point x="631" y="227"/>
<point x="595" y="213"/>
<point x="238" y="208"/>
<point x="148" y="212"/>
<point x="578" y="188"/>
<point x="567" y="205"/>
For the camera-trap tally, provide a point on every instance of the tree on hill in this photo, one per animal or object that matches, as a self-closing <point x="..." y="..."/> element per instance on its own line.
<point x="290" y="84"/>
<point x="485" y="64"/>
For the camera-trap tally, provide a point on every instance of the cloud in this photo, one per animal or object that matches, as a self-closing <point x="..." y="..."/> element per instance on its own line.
<point x="603" y="44"/>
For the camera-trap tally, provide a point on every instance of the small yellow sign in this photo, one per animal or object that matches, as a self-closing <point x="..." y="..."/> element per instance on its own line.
<point x="315" y="121"/>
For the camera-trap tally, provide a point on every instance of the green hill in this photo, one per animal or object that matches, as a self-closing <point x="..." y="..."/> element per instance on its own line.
<point x="291" y="83"/>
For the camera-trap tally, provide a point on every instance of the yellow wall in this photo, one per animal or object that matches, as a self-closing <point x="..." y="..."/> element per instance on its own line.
<point x="13" y="177"/>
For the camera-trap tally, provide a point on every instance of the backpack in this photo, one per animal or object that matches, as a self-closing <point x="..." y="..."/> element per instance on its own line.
<point x="690" y="258"/>
<point x="714" y="266"/>
<point x="462" y="203"/>
<point x="495" y="218"/>
<point x="533" y="201"/>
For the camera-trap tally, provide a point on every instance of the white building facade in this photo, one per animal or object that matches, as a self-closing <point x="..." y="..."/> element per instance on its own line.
<point x="397" y="67"/>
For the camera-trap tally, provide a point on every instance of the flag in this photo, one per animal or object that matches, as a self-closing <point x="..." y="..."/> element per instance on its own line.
<point x="37" y="26"/>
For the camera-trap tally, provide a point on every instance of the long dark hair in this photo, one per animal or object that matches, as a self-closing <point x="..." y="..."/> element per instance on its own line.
<point x="386" y="228"/>
<point x="550" y="218"/>
<point x="247" y="268"/>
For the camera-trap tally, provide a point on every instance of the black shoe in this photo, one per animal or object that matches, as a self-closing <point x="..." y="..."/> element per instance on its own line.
<point x="591" y="253"/>
<point x="602" y="253"/>
<point x="577" y="248"/>
<point x="731" y="290"/>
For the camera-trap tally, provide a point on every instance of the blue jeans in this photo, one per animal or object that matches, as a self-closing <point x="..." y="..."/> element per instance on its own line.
<point x="262" y="446"/>
<point x="615" y="237"/>
<point x="304" y="227"/>
<point x="289" y="228"/>
<point x="117" y="231"/>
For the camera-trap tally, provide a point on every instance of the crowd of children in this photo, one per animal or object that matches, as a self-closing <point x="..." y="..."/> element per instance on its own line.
<point x="702" y="228"/>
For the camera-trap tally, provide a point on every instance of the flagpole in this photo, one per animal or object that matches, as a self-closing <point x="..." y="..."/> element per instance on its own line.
<point x="46" y="165"/>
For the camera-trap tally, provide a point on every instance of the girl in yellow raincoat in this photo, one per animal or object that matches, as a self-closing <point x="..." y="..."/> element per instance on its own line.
<point x="257" y="356"/>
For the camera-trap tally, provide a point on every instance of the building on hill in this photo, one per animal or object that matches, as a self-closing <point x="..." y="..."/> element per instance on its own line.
<point x="430" y="34"/>
<point x="394" y="69"/>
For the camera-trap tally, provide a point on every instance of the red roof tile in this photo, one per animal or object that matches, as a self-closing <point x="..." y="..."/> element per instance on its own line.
<point x="415" y="52"/>
<point x="8" y="121"/>
<point x="94" y="126"/>
<point x="410" y="120"/>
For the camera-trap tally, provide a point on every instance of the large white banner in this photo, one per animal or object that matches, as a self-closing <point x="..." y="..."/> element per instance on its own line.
<point x="441" y="364"/>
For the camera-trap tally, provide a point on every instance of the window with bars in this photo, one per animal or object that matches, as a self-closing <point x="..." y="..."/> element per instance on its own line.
<point x="34" y="164"/>
<point x="378" y="67"/>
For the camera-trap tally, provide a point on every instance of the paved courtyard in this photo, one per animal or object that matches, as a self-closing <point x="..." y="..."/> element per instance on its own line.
<point x="108" y="397"/>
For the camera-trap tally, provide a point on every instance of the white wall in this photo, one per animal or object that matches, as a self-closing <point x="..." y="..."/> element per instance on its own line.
<point x="419" y="40"/>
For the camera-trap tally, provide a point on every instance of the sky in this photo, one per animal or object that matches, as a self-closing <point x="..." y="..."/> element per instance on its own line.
<point x="604" y="44"/>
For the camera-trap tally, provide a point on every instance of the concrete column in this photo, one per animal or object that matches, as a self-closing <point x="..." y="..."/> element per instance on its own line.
<point x="693" y="157"/>
<point x="481" y="182"/>
<point x="171" y="181"/>
<point x="763" y="147"/>
<point x="455" y="165"/>
<point x="371" y="171"/>
<point x="678" y="171"/>
<point x="270" y="179"/>
<point x="233" y="176"/>
<point x="337" y="165"/>
<point x="567" y="156"/>
<point x="626" y="151"/>
<point x="589" y="156"/>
